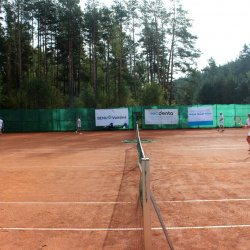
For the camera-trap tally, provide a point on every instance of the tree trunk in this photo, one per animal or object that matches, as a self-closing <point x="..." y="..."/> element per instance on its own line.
<point x="20" y="77"/>
<point x="71" y="75"/>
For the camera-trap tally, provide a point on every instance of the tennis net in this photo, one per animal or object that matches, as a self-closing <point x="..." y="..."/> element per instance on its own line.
<point x="139" y="146"/>
<point x="146" y="196"/>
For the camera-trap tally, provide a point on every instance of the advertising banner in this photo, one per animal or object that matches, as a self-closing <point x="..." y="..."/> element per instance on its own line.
<point x="200" y="116"/>
<point x="161" y="116"/>
<point x="103" y="117"/>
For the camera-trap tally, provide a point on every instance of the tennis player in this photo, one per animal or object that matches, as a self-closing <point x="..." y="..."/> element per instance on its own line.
<point x="1" y="125"/>
<point x="221" y="122"/>
<point x="247" y="126"/>
<point x="79" y="125"/>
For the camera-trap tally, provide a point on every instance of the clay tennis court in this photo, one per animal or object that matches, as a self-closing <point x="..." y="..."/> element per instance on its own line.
<point x="60" y="190"/>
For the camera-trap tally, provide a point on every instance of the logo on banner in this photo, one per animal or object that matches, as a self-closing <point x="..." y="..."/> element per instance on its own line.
<point x="162" y="113"/>
<point x="200" y="116"/>
<point x="110" y="117"/>
<point x="104" y="117"/>
<point x="161" y="116"/>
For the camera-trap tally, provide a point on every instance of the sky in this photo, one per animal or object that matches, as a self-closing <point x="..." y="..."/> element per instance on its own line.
<point x="222" y="28"/>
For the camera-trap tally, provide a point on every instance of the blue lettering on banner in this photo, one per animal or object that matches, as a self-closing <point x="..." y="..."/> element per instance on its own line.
<point x="101" y="118"/>
<point x="110" y="117"/>
<point x="119" y="117"/>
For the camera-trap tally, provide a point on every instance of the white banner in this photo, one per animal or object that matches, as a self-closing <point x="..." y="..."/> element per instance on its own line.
<point x="200" y="116"/>
<point x="103" y="117"/>
<point x="161" y="116"/>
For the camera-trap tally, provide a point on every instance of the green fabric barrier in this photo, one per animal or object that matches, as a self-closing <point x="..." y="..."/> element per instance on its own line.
<point x="43" y="120"/>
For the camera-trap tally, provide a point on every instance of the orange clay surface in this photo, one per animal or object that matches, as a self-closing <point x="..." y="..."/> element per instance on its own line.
<point x="67" y="191"/>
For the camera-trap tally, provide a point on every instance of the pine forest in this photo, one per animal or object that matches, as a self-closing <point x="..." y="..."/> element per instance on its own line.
<point x="59" y="54"/>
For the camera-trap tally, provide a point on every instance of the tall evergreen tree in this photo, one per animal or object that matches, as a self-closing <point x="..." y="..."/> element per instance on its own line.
<point x="70" y="22"/>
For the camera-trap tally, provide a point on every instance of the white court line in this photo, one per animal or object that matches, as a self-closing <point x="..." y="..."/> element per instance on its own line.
<point x="70" y="229"/>
<point x="209" y="148"/>
<point x="202" y="227"/>
<point x="65" y="202"/>
<point x="220" y="200"/>
<point x="122" y="165"/>
<point x="119" y="229"/>
<point x="114" y="202"/>
<point x="101" y="166"/>
<point x="209" y="163"/>
<point x="195" y="149"/>
<point x="221" y="145"/>
<point x="59" y="151"/>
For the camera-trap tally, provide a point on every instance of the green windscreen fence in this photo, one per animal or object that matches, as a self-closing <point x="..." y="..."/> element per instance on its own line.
<point x="46" y="120"/>
<point x="229" y="112"/>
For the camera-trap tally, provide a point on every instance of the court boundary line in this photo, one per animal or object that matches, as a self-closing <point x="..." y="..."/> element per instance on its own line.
<point x="97" y="166"/>
<point x="67" y="202"/>
<point x="202" y="149"/>
<point x="119" y="229"/>
<point x="70" y="229"/>
<point x="117" y="202"/>
<point x="219" y="200"/>
<point x="55" y="151"/>
<point x="206" y="163"/>
<point x="203" y="227"/>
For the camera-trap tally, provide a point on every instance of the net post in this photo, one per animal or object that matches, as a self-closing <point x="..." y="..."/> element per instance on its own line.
<point x="146" y="203"/>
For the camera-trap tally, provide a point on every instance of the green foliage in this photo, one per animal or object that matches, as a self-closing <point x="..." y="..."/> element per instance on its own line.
<point x="126" y="99"/>
<point x="38" y="93"/>
<point x="185" y="91"/>
<point x="226" y="84"/>
<point x="151" y="95"/>
<point x="87" y="98"/>
<point x="3" y="98"/>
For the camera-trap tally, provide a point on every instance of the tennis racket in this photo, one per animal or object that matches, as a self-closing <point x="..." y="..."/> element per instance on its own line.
<point x="238" y="120"/>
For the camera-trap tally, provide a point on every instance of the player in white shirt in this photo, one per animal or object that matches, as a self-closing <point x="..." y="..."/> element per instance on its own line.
<point x="79" y="125"/>
<point x="221" y="122"/>
<point x="1" y="125"/>
<point x="247" y="126"/>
